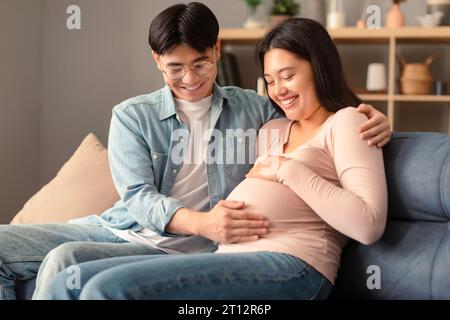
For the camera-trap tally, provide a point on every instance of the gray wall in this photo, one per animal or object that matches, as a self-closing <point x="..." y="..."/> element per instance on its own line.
<point x="57" y="85"/>
<point x="86" y="72"/>
<point x="20" y="102"/>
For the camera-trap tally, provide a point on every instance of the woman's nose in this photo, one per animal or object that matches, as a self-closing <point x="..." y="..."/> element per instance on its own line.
<point x="279" y="89"/>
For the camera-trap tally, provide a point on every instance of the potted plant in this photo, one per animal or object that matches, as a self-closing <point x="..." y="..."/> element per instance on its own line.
<point x="252" y="20"/>
<point x="282" y="10"/>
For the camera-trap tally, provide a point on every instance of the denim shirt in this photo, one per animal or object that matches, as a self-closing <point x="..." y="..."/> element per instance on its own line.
<point x="142" y="138"/>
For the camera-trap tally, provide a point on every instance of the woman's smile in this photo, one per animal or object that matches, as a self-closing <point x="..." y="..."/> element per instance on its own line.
<point x="288" y="103"/>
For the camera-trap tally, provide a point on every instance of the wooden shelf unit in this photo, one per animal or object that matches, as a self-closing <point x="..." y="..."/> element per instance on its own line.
<point x="406" y="34"/>
<point x="373" y="97"/>
<point x="421" y="98"/>
<point x="390" y="37"/>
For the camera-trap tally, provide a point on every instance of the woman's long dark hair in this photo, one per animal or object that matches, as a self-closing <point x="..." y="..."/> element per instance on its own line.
<point x="309" y="40"/>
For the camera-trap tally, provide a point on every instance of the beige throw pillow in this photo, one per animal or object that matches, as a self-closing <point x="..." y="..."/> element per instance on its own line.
<point x="83" y="186"/>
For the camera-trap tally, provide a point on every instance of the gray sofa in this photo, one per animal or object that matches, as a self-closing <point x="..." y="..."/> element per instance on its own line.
<point x="413" y="256"/>
<point x="412" y="260"/>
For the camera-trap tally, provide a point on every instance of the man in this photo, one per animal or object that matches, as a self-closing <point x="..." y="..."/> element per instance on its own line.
<point x="167" y="204"/>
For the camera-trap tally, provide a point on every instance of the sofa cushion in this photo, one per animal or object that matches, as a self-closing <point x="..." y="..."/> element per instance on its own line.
<point x="418" y="175"/>
<point x="413" y="260"/>
<point x="83" y="186"/>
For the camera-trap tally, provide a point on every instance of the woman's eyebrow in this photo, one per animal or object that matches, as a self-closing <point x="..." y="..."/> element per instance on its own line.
<point x="279" y="71"/>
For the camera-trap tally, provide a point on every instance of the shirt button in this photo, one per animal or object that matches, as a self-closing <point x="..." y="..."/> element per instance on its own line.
<point x="155" y="157"/>
<point x="174" y="171"/>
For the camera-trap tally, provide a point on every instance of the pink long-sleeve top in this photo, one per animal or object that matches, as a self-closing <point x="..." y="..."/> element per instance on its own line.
<point x="332" y="187"/>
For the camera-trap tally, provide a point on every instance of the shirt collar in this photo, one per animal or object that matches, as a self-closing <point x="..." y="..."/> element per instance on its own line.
<point x="168" y="102"/>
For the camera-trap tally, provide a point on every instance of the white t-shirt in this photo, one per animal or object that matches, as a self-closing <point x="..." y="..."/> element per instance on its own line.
<point x="191" y="183"/>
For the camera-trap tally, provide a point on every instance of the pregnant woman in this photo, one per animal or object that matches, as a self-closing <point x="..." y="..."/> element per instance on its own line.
<point x="315" y="180"/>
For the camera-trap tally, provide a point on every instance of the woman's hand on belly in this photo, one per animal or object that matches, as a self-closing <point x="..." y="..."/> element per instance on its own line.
<point x="266" y="168"/>
<point x="229" y="222"/>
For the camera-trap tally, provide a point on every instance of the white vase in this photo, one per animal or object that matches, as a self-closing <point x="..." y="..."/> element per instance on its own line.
<point x="335" y="20"/>
<point x="335" y="14"/>
<point x="252" y="21"/>
<point x="376" y="77"/>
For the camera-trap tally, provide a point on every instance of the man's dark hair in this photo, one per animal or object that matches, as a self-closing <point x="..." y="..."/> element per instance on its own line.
<point x="309" y="40"/>
<point x="192" y="24"/>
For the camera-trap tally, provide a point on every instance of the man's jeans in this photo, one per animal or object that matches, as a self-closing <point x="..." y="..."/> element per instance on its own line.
<point x="256" y="275"/>
<point x="24" y="247"/>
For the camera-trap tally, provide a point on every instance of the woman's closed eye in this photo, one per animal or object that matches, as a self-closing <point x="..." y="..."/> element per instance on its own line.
<point x="288" y="77"/>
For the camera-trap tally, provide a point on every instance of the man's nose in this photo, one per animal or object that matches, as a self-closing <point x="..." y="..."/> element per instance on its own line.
<point x="190" y="76"/>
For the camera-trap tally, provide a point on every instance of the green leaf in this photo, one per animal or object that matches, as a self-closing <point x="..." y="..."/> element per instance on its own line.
<point x="285" y="7"/>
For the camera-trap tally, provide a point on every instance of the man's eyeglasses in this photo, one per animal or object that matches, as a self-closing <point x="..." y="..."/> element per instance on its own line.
<point x="201" y="69"/>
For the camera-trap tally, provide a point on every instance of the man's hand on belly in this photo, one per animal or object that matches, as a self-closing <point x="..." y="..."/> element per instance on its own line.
<point x="229" y="222"/>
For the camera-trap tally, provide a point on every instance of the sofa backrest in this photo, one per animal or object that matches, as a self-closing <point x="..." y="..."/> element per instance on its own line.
<point x="413" y="256"/>
<point x="417" y="168"/>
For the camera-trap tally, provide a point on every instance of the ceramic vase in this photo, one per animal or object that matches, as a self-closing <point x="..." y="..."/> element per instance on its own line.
<point x="395" y="17"/>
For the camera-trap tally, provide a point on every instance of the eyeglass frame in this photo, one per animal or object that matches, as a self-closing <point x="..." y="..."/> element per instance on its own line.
<point x="211" y="63"/>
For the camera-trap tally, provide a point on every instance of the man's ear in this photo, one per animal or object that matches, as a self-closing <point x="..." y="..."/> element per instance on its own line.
<point x="217" y="49"/>
<point x="157" y="59"/>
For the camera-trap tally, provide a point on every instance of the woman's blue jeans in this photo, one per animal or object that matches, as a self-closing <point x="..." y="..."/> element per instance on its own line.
<point x="256" y="275"/>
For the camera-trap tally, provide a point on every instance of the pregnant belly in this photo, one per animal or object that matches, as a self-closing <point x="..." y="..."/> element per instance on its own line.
<point x="277" y="202"/>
